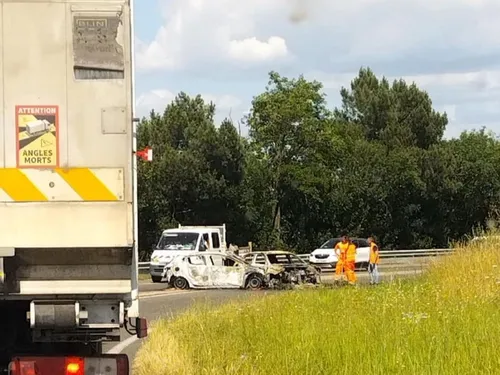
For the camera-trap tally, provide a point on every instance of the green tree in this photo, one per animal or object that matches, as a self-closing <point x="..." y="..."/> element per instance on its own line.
<point x="285" y="124"/>
<point x="400" y="115"/>
<point x="196" y="173"/>
<point x="463" y="185"/>
<point x="375" y="166"/>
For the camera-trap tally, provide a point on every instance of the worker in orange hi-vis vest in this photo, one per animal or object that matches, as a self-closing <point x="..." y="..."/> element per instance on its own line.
<point x="374" y="261"/>
<point x="350" y="263"/>
<point x="340" y="251"/>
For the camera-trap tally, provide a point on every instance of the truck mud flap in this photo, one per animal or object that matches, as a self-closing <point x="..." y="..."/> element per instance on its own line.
<point x="8" y="269"/>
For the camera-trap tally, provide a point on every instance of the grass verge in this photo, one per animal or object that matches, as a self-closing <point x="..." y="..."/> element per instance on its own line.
<point x="446" y="322"/>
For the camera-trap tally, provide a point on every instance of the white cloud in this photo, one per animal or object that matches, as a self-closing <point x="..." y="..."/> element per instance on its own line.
<point x="205" y="31"/>
<point x="482" y="80"/>
<point x="254" y="50"/>
<point x="223" y="102"/>
<point x="154" y="99"/>
<point x="451" y="48"/>
<point x="153" y="55"/>
<point x="477" y="80"/>
<point x="466" y="97"/>
<point x="451" y="111"/>
<point x="200" y="31"/>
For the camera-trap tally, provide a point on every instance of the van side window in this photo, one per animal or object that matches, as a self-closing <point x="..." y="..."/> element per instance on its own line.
<point x="215" y="241"/>
<point x="206" y="239"/>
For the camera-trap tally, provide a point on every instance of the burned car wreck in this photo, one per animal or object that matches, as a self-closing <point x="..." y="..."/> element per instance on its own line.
<point x="284" y="269"/>
<point x="213" y="270"/>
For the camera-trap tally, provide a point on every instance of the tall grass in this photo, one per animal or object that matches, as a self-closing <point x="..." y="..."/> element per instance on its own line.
<point x="446" y="322"/>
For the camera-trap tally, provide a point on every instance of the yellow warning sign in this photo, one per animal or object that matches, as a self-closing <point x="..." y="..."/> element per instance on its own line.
<point x="37" y="136"/>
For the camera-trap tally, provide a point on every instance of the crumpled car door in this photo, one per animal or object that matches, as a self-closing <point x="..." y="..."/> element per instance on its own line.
<point x="223" y="276"/>
<point x="198" y="271"/>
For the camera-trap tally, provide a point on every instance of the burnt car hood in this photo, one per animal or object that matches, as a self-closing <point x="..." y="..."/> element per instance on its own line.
<point x="278" y="268"/>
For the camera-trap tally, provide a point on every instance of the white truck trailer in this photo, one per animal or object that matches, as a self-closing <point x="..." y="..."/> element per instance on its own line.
<point x="68" y="209"/>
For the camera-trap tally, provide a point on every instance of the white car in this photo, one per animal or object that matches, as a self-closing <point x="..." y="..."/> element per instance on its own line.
<point x="325" y="254"/>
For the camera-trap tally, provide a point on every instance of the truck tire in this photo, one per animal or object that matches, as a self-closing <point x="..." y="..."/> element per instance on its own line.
<point x="156" y="279"/>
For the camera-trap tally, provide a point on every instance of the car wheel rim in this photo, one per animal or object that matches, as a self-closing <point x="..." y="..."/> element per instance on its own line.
<point x="254" y="283"/>
<point x="180" y="283"/>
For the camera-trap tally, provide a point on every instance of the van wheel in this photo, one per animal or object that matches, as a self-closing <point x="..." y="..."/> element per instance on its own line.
<point x="255" y="282"/>
<point x="156" y="279"/>
<point x="181" y="283"/>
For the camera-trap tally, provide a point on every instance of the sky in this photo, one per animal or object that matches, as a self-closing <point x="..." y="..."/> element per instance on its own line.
<point x="224" y="49"/>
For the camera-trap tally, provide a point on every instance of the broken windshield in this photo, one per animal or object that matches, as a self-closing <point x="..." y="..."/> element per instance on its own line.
<point x="178" y="241"/>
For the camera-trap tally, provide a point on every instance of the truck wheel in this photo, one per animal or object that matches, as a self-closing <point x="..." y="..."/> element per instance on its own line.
<point x="181" y="283"/>
<point x="255" y="282"/>
<point x="156" y="279"/>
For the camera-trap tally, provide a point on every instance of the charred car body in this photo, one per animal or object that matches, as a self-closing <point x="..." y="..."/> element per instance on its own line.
<point x="209" y="270"/>
<point x="284" y="268"/>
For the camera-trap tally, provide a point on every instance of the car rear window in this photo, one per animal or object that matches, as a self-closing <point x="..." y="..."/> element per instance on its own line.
<point x="330" y="244"/>
<point x="359" y="242"/>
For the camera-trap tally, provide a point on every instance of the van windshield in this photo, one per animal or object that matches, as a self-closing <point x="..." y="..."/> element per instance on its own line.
<point x="178" y="241"/>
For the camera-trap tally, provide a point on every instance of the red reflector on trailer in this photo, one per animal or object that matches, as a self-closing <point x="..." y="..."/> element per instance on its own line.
<point x="75" y="366"/>
<point x="105" y="364"/>
<point x="122" y="364"/>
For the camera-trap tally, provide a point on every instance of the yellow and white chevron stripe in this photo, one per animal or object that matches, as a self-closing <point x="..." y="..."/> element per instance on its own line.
<point x="61" y="185"/>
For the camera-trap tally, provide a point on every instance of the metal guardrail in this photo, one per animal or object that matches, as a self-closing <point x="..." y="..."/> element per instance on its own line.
<point x="414" y="253"/>
<point x="387" y="254"/>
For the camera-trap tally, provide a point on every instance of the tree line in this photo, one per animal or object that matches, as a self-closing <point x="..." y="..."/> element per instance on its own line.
<point x="376" y="165"/>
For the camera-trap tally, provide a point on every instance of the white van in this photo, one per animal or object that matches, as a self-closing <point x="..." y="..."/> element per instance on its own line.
<point x="181" y="240"/>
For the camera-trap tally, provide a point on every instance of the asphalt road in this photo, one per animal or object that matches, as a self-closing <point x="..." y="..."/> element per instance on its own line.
<point x="156" y="300"/>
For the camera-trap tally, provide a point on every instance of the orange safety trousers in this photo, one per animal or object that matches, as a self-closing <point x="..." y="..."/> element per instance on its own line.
<point x="339" y="269"/>
<point x="349" y="267"/>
